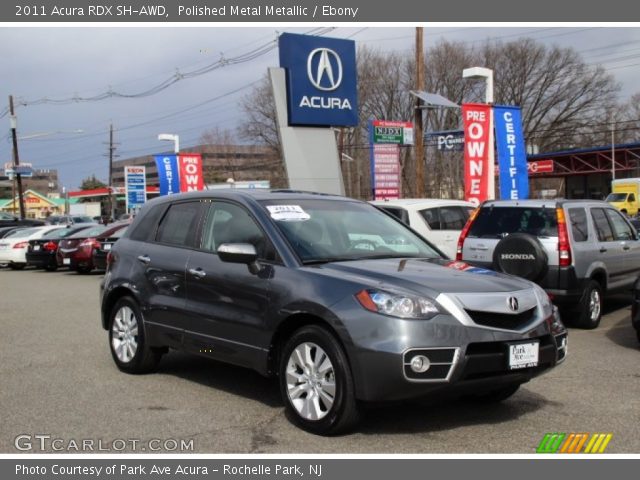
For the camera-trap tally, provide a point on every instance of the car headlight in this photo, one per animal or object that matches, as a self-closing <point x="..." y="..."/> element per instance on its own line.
<point x="544" y="301"/>
<point x="397" y="305"/>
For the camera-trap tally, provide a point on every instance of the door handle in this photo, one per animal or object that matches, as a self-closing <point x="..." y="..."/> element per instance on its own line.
<point x="197" y="272"/>
<point x="144" y="259"/>
<point x="603" y="250"/>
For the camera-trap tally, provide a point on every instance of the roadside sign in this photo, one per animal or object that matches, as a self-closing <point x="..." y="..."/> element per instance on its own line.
<point x="135" y="185"/>
<point x="446" y="141"/>
<point x="540" y="166"/>
<point x="386" y="172"/>
<point x="400" y="133"/>
<point x="24" y="169"/>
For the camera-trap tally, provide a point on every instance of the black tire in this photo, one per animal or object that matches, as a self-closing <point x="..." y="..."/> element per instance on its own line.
<point x="17" y="266"/>
<point x="495" y="396"/>
<point x="83" y="270"/>
<point x="144" y="358"/>
<point x="344" y="413"/>
<point x="51" y="268"/>
<point x="590" y="310"/>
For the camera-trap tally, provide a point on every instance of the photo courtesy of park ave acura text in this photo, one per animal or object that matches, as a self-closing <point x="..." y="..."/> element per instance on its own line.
<point x="315" y="239"/>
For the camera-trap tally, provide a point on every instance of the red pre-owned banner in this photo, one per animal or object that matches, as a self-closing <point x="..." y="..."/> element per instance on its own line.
<point x="190" y="172"/>
<point x="476" y="119"/>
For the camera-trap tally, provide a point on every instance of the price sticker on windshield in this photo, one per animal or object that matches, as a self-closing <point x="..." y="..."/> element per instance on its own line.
<point x="288" y="213"/>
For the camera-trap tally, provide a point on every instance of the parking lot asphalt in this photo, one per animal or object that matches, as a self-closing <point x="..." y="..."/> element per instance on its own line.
<point x="57" y="378"/>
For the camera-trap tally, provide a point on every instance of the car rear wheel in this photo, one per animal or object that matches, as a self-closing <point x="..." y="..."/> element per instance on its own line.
<point x="316" y="382"/>
<point x="17" y="266"/>
<point x="83" y="270"/>
<point x="51" y="268"/>
<point x="590" y="311"/>
<point x="127" y="339"/>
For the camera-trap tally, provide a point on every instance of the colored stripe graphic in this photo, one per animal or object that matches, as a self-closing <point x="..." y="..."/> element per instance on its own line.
<point x="574" y="442"/>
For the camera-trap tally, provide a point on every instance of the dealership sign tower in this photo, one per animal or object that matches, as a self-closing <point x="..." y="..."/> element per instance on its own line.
<point x="315" y="89"/>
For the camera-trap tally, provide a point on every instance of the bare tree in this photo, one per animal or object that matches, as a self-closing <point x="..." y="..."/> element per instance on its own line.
<point x="261" y="125"/>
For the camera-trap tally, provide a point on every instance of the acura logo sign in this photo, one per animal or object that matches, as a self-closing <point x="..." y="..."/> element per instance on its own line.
<point x="513" y="303"/>
<point x="323" y="74"/>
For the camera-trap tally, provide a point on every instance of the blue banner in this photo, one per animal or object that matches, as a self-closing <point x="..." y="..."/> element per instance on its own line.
<point x="168" y="174"/>
<point x="321" y="80"/>
<point x="512" y="157"/>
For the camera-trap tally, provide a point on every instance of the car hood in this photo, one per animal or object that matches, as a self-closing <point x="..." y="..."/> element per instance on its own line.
<point x="431" y="276"/>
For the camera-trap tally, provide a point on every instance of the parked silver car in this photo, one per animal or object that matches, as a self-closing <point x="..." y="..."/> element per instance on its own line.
<point x="577" y="250"/>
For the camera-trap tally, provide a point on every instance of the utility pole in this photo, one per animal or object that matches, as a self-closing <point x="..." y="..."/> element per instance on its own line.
<point x="613" y="147"/>
<point x="112" y="206"/>
<point x="418" y="139"/>
<point x="16" y="157"/>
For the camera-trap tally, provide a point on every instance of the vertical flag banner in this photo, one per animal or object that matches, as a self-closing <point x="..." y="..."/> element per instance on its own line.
<point x="168" y="174"/>
<point x="386" y="172"/>
<point x="191" y="172"/>
<point x="478" y="155"/>
<point x="512" y="157"/>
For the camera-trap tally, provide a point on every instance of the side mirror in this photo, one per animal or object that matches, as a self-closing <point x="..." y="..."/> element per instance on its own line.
<point x="240" y="253"/>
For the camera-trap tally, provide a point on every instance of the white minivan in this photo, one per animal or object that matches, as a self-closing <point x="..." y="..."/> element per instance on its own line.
<point x="438" y="220"/>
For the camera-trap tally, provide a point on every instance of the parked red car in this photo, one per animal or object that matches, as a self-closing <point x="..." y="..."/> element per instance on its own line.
<point x="76" y="251"/>
<point x="42" y="253"/>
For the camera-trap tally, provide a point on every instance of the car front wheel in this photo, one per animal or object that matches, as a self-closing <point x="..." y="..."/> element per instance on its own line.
<point x="316" y="382"/>
<point x="127" y="339"/>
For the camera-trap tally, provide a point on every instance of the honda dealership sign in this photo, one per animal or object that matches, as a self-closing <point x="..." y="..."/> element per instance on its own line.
<point x="321" y="80"/>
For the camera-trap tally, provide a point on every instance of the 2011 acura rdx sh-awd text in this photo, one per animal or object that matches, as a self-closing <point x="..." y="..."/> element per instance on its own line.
<point x="340" y="301"/>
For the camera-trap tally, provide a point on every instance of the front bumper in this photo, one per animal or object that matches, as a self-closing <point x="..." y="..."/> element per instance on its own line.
<point x="464" y="359"/>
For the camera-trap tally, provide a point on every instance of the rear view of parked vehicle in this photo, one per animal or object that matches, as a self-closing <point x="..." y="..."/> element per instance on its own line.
<point x="13" y="247"/>
<point x="577" y="250"/>
<point x="76" y="251"/>
<point x="42" y="252"/>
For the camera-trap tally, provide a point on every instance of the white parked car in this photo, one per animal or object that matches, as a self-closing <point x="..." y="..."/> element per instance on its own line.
<point x="438" y="220"/>
<point x="13" y="247"/>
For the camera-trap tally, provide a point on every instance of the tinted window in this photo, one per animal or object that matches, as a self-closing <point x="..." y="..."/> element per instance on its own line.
<point x="453" y="218"/>
<point x="632" y="198"/>
<point x="621" y="229"/>
<point x="89" y="232"/>
<point x="399" y="213"/>
<point x="603" y="229"/>
<point x="179" y="224"/>
<point x="228" y="223"/>
<point x="145" y="229"/>
<point x="579" y="228"/>
<point x="60" y="233"/>
<point x="496" y="222"/>
<point x="432" y="217"/>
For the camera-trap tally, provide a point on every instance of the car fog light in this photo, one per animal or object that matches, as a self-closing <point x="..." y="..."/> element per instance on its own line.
<point x="420" y="364"/>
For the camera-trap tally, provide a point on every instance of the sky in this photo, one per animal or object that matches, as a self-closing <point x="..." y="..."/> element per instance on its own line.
<point x="69" y="62"/>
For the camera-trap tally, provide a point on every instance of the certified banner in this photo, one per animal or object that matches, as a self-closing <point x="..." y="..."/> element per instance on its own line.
<point x="478" y="152"/>
<point x="168" y="174"/>
<point x="512" y="157"/>
<point x="191" y="172"/>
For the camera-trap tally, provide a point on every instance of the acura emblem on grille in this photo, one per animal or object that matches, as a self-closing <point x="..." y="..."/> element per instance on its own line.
<point x="513" y="303"/>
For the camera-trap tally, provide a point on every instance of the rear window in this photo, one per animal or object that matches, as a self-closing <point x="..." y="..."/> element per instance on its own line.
<point x="59" y="233"/>
<point x="446" y="218"/>
<point x="89" y="232"/>
<point x="145" y="228"/>
<point x="496" y="222"/>
<point x="25" y="232"/>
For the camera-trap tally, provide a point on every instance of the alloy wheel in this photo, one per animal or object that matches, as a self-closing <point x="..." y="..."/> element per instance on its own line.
<point x="124" y="334"/>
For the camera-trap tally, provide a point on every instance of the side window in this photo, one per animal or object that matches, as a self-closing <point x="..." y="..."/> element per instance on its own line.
<point x="145" y="229"/>
<point x="400" y="213"/>
<point x="229" y="223"/>
<point x="605" y="234"/>
<point x="452" y="218"/>
<point x="632" y="198"/>
<point x="432" y="217"/>
<point x="621" y="229"/>
<point x="579" y="228"/>
<point x="179" y="225"/>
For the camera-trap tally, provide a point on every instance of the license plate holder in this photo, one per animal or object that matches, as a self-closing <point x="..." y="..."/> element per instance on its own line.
<point x="66" y="261"/>
<point x="523" y="355"/>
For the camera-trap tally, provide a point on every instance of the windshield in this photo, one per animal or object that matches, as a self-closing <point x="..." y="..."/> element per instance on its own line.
<point x="617" y="197"/>
<point x="328" y="230"/>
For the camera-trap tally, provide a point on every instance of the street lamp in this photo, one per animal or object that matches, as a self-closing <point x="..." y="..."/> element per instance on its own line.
<point x="170" y="137"/>
<point x="475" y="73"/>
